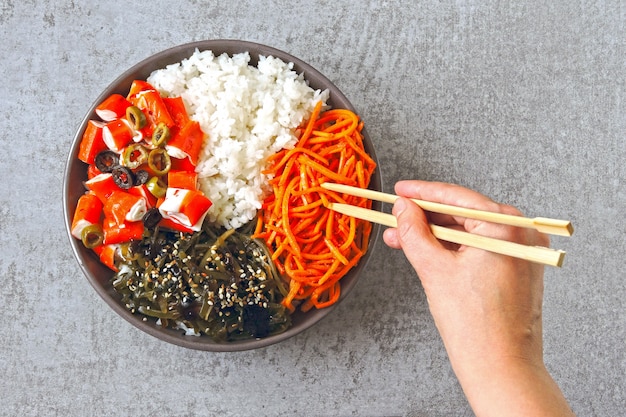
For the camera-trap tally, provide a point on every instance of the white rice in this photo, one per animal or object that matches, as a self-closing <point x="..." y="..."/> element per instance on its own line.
<point x="248" y="114"/>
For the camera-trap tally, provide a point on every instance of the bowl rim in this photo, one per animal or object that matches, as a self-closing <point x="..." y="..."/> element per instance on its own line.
<point x="160" y="60"/>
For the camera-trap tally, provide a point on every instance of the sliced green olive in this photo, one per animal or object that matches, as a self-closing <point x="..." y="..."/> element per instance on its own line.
<point x="134" y="155"/>
<point x="159" y="161"/>
<point x="136" y="117"/>
<point x="92" y="236"/>
<point x="156" y="187"/>
<point x="123" y="177"/>
<point x="161" y="134"/>
<point x="107" y="160"/>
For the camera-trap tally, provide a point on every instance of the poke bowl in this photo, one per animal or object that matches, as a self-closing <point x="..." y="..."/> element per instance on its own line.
<point x="206" y="231"/>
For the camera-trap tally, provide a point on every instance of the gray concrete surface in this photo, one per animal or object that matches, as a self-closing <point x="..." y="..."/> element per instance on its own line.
<point x="521" y="100"/>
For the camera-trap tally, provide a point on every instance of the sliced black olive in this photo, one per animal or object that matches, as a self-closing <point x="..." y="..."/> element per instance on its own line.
<point x="151" y="218"/>
<point x="141" y="177"/>
<point x="106" y="161"/>
<point x="123" y="177"/>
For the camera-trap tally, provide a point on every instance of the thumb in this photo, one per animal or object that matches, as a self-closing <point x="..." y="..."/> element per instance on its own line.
<point x="416" y="239"/>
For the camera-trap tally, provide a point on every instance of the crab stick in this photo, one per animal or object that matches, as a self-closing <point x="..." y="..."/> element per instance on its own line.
<point x="151" y="102"/>
<point x="172" y="225"/>
<point x="142" y="191"/>
<point x="121" y="233"/>
<point x="107" y="253"/>
<point x="122" y="206"/>
<point x="187" y="180"/>
<point x="176" y="107"/>
<point x="186" y="142"/>
<point x="117" y="134"/>
<point x="91" y="142"/>
<point x="88" y="212"/>
<point x="182" y="164"/>
<point x="92" y="171"/>
<point x="113" y="107"/>
<point x="102" y="185"/>
<point x="137" y="87"/>
<point x="186" y="207"/>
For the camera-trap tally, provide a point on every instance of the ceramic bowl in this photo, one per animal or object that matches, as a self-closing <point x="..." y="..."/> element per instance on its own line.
<point x="99" y="275"/>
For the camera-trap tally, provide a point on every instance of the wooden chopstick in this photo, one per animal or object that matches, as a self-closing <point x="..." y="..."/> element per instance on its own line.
<point x="536" y="254"/>
<point x="542" y="224"/>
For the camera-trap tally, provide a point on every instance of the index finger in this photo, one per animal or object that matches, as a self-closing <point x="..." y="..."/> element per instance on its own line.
<point x="455" y="195"/>
<point x="445" y="193"/>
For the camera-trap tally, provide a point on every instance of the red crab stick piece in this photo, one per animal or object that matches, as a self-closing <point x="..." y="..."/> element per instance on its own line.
<point x="183" y="164"/>
<point x="186" y="143"/>
<point x="187" y="180"/>
<point x="113" y="107"/>
<point x="115" y="233"/>
<point x="92" y="142"/>
<point x="92" y="171"/>
<point x="122" y="207"/>
<point x="107" y="255"/>
<point x="103" y="186"/>
<point x="142" y="191"/>
<point x="151" y="102"/>
<point x="88" y="212"/>
<point x="172" y="225"/>
<point x="176" y="108"/>
<point x="187" y="207"/>
<point x="137" y="87"/>
<point x="117" y="134"/>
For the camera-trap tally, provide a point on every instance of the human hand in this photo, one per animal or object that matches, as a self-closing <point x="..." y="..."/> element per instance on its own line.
<point x="487" y="307"/>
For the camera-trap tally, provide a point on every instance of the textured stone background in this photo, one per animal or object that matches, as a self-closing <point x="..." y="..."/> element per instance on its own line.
<point x="521" y="100"/>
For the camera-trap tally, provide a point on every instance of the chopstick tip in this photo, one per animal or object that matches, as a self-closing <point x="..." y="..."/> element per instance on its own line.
<point x="561" y="258"/>
<point x="553" y="226"/>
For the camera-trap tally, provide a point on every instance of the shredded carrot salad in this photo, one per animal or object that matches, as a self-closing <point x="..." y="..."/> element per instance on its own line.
<point x="310" y="244"/>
